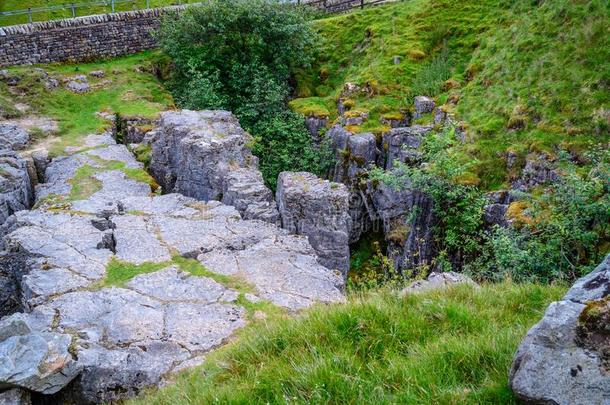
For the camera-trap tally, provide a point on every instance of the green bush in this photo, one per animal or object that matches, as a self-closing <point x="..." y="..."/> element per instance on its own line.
<point x="567" y="236"/>
<point x="458" y="207"/>
<point x="238" y="55"/>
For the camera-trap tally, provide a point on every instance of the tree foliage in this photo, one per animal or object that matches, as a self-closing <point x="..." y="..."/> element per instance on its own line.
<point x="238" y="55"/>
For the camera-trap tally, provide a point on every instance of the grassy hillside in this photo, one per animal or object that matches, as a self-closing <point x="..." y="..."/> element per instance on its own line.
<point x="443" y="347"/>
<point x="11" y="5"/>
<point x="522" y="75"/>
<point x="128" y="87"/>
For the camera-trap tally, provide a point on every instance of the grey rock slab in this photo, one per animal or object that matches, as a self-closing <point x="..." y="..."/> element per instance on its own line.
<point x="39" y="362"/>
<point x="14" y="325"/>
<point x="64" y="240"/>
<point x="115" y="186"/>
<point x="168" y="204"/>
<point x="284" y="270"/>
<point x="13" y="136"/>
<point x="113" y="374"/>
<point x="136" y="241"/>
<point x="173" y="285"/>
<point x="39" y="285"/>
<point x="119" y="316"/>
<point x="201" y="327"/>
<point x="118" y="153"/>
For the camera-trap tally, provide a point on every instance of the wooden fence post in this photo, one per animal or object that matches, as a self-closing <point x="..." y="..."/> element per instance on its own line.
<point x="30" y="14"/>
<point x="361" y="4"/>
<point x="112" y="3"/>
<point x="73" y="10"/>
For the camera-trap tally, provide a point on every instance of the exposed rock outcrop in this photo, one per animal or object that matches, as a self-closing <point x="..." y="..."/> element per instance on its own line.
<point x="37" y="361"/>
<point x="564" y="359"/>
<point x="128" y="328"/>
<point x="317" y="209"/>
<point x="407" y="219"/>
<point x="16" y="191"/>
<point x="539" y="169"/>
<point x="422" y="105"/>
<point x="204" y="154"/>
<point x="402" y="144"/>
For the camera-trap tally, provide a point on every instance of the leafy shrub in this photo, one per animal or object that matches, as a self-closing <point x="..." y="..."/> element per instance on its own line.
<point x="567" y="237"/>
<point x="238" y="55"/>
<point x="458" y="207"/>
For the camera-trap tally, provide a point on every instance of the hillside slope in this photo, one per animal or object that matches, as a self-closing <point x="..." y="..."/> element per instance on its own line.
<point x="522" y="76"/>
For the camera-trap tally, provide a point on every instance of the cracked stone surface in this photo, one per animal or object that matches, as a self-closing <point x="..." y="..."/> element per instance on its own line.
<point x="133" y="334"/>
<point x="552" y="366"/>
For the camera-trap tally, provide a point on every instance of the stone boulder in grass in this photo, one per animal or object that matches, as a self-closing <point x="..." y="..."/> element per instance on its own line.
<point x="565" y="358"/>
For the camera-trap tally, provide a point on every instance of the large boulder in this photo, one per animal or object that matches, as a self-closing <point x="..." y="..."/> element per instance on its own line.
<point x="37" y="361"/>
<point x="564" y="359"/>
<point x="317" y="209"/>
<point x="204" y="154"/>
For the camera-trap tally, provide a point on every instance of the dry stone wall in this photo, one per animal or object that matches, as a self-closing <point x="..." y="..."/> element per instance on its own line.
<point x="80" y="39"/>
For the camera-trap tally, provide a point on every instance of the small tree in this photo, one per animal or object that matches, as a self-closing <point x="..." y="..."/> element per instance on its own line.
<point x="238" y="55"/>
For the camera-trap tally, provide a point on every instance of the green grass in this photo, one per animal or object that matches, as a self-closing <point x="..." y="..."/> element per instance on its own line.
<point x="127" y="88"/>
<point x="443" y="347"/>
<point x="509" y="62"/>
<point x="11" y="5"/>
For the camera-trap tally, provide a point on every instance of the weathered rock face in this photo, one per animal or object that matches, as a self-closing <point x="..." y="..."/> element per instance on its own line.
<point x="407" y="219"/>
<point x="13" y="137"/>
<point x="319" y="210"/>
<point x="203" y="154"/>
<point x="315" y="125"/>
<point x="539" y="169"/>
<point x="403" y="144"/>
<point x="564" y="358"/>
<point x="37" y="361"/>
<point x="15" y="186"/>
<point x="128" y="332"/>
<point x="422" y="105"/>
<point x="354" y="155"/>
